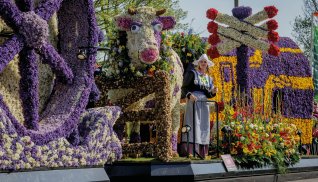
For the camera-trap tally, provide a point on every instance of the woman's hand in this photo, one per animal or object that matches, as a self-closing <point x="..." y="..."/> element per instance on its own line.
<point x="214" y="90"/>
<point x="193" y="98"/>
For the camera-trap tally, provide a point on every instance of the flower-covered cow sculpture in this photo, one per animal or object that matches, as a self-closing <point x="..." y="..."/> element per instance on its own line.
<point x="144" y="27"/>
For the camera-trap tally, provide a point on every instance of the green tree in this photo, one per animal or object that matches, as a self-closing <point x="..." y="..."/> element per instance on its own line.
<point x="302" y="25"/>
<point x="107" y="9"/>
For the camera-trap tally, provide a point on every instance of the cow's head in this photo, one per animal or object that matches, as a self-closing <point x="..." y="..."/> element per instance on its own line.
<point x="143" y="26"/>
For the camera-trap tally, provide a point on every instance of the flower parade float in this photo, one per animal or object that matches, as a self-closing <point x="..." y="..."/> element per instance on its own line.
<point x="145" y="79"/>
<point x="45" y="88"/>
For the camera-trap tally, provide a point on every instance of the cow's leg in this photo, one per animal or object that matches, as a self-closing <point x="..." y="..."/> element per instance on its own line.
<point x="175" y="127"/>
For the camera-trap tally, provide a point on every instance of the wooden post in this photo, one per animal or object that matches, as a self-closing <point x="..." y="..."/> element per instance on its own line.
<point x="236" y="3"/>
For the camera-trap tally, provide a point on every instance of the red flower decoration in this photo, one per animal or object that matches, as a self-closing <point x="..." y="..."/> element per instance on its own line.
<point x="271" y="11"/>
<point x="235" y="115"/>
<point x="182" y="34"/>
<point x="273" y="36"/>
<point x="212" y="13"/>
<point x="212" y="27"/>
<point x="273" y="50"/>
<point x="214" y="39"/>
<point x="213" y="52"/>
<point x="283" y="134"/>
<point x="315" y="132"/>
<point x="211" y="124"/>
<point x="272" y="25"/>
<point x="220" y="106"/>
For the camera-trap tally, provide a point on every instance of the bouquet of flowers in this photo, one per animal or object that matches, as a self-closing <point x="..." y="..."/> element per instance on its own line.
<point x="257" y="141"/>
<point x="187" y="45"/>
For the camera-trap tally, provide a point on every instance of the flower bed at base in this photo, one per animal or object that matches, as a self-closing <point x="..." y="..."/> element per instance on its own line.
<point x="256" y="141"/>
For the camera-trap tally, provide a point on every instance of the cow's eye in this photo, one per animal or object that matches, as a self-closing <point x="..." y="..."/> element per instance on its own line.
<point x="134" y="28"/>
<point x="157" y="27"/>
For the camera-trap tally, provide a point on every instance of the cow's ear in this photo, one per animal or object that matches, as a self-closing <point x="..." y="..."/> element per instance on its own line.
<point x="168" y="22"/>
<point x="123" y="22"/>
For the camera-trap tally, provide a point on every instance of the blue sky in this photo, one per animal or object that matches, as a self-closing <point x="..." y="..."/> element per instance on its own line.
<point x="288" y="10"/>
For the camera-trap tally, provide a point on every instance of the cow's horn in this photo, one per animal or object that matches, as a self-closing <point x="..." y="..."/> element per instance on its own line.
<point x="132" y="11"/>
<point x="160" y="12"/>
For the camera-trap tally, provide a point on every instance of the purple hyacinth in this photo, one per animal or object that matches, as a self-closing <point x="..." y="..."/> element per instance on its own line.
<point x="25" y="5"/>
<point x="67" y="103"/>
<point x="174" y="141"/>
<point x="242" y="67"/>
<point x="29" y="86"/>
<point x="227" y="74"/>
<point x="95" y="93"/>
<point x="34" y="30"/>
<point x="71" y="100"/>
<point x="242" y="12"/>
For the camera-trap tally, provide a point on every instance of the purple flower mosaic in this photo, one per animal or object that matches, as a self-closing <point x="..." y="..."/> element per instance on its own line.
<point x="296" y="103"/>
<point x="242" y="12"/>
<point x="227" y="74"/>
<point x="64" y="134"/>
<point x="97" y="144"/>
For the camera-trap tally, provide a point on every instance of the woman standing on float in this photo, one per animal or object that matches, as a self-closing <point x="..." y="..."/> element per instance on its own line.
<point x="198" y="86"/>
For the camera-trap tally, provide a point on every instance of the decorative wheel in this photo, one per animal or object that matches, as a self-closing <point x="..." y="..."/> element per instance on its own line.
<point x="73" y="77"/>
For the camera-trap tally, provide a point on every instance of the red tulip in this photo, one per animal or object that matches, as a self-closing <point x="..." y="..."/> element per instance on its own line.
<point x="213" y="52"/>
<point x="273" y="36"/>
<point x="214" y="39"/>
<point x="211" y="13"/>
<point x="271" y="11"/>
<point x="272" y="25"/>
<point x="212" y="27"/>
<point x="273" y="50"/>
